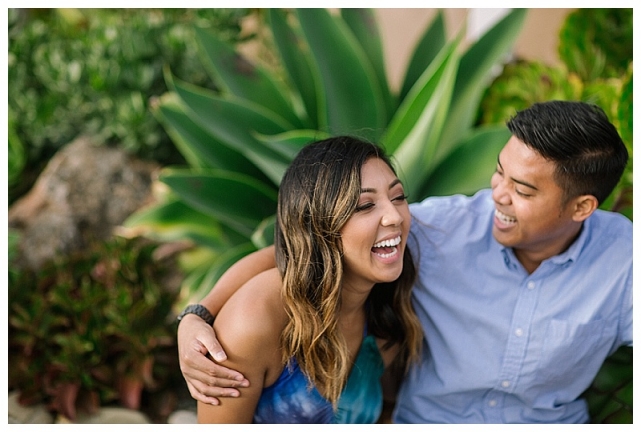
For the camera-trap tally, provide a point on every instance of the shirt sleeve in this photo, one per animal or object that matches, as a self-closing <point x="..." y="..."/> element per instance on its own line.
<point x="625" y="332"/>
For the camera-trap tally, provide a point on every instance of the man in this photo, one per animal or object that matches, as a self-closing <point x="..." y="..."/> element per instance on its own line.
<point x="523" y="290"/>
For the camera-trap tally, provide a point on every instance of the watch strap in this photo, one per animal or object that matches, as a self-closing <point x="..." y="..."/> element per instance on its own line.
<point x="197" y="309"/>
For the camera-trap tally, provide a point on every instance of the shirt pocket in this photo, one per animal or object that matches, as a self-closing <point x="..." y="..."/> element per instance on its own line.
<point x="573" y="352"/>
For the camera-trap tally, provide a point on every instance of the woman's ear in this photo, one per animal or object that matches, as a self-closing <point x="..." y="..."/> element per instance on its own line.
<point x="584" y="206"/>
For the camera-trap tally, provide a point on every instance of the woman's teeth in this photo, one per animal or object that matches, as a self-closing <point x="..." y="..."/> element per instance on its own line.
<point x="388" y="246"/>
<point x="388" y="243"/>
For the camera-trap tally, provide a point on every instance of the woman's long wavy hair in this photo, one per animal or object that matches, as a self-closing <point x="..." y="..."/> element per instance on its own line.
<point x="318" y="194"/>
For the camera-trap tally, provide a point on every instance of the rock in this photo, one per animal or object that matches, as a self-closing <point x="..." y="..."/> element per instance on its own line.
<point x="19" y="414"/>
<point x="182" y="417"/>
<point x="83" y="193"/>
<point x="108" y="415"/>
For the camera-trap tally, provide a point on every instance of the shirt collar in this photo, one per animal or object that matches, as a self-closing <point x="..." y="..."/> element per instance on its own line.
<point x="570" y="255"/>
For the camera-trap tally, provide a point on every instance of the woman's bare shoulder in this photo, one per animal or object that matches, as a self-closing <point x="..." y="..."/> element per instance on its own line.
<point x="255" y="313"/>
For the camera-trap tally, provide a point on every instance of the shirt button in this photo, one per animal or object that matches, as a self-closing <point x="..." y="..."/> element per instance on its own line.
<point x="492" y="403"/>
<point x="531" y="285"/>
<point x="505" y="384"/>
<point x="518" y="332"/>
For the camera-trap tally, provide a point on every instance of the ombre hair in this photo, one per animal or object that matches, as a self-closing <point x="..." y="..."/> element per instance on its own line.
<point x="318" y="194"/>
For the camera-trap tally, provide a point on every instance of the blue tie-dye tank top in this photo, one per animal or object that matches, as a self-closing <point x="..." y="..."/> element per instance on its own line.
<point x="289" y="400"/>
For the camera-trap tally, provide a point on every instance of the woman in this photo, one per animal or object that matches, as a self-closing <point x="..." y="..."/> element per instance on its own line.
<point x="314" y="335"/>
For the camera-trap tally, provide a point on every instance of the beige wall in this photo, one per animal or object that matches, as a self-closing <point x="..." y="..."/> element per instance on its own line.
<point x="401" y="29"/>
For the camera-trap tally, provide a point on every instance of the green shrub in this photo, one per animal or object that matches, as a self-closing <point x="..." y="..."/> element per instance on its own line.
<point x="92" y="329"/>
<point x="93" y="71"/>
<point x="610" y="395"/>
<point x="597" y="43"/>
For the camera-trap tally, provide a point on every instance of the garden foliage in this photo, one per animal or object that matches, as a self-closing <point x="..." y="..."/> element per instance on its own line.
<point x="92" y="328"/>
<point x="94" y="71"/>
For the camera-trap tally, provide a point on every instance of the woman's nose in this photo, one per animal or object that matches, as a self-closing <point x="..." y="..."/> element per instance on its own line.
<point x="392" y="216"/>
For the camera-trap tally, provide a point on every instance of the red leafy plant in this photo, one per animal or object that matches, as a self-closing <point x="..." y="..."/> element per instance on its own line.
<point x="93" y="328"/>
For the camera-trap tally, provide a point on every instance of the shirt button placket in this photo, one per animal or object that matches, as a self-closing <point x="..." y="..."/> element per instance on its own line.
<point x="517" y="343"/>
<point x="493" y="402"/>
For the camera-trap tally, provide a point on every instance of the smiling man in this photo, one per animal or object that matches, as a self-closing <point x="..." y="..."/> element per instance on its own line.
<point x="534" y="215"/>
<point x="523" y="289"/>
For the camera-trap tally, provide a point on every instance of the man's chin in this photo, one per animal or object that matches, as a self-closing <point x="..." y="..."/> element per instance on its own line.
<point x="501" y="238"/>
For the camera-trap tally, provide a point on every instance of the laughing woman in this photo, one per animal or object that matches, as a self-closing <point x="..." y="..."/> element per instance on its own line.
<point x="314" y="335"/>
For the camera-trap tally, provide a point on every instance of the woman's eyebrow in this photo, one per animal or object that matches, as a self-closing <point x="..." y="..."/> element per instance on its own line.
<point x="391" y="185"/>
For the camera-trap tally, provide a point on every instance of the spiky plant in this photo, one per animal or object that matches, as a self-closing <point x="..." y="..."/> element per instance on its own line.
<point x="330" y="79"/>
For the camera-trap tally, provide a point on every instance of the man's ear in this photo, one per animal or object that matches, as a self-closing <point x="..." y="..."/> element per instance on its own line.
<point x="584" y="206"/>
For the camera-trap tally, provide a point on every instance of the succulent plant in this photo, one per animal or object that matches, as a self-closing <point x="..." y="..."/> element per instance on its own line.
<point x="330" y="80"/>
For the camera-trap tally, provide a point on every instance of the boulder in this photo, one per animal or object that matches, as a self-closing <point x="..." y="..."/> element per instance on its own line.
<point x="84" y="192"/>
<point x="20" y="414"/>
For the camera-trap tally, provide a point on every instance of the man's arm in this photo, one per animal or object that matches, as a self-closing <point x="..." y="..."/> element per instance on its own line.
<point x="236" y="276"/>
<point x="205" y="379"/>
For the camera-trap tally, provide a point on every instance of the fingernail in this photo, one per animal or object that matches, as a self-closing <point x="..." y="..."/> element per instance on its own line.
<point x="220" y="356"/>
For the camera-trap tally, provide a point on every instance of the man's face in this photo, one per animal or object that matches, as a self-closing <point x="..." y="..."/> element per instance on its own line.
<point x="529" y="214"/>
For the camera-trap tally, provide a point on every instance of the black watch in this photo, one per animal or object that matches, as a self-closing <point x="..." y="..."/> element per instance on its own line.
<point x="197" y="309"/>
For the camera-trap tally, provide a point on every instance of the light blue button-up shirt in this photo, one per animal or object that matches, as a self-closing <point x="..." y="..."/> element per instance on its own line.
<point x="502" y="345"/>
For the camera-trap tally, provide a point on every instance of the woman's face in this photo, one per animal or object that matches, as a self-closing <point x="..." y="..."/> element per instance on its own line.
<point x="374" y="238"/>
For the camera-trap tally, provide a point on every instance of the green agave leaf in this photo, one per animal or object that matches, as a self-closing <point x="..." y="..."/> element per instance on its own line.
<point x="201" y="280"/>
<point x="291" y="47"/>
<point x="624" y="113"/>
<point x="199" y="147"/>
<point x="237" y="200"/>
<point x="474" y="74"/>
<point x="468" y="168"/>
<point x="412" y="107"/>
<point x="362" y="23"/>
<point x="233" y="122"/>
<point x="193" y="287"/>
<point x="173" y="220"/>
<point x="182" y="131"/>
<point x="431" y="43"/>
<point x="355" y="105"/>
<point x="264" y="234"/>
<point x="289" y="143"/>
<point x="414" y="131"/>
<point x="236" y="74"/>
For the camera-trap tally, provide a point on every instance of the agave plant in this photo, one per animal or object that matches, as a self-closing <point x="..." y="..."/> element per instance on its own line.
<point x="330" y="80"/>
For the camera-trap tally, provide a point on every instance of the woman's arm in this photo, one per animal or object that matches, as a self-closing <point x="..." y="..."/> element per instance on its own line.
<point x="205" y="379"/>
<point x="249" y="324"/>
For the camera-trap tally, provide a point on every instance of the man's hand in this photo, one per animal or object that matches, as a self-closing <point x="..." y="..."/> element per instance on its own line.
<point x="205" y="379"/>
